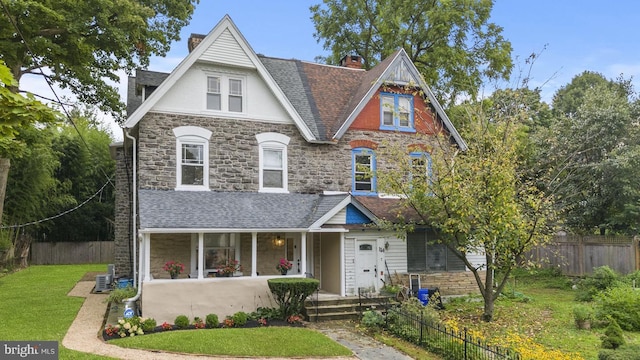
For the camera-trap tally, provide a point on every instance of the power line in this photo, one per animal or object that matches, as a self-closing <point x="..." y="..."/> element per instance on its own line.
<point x="58" y="100"/>
<point x="60" y="214"/>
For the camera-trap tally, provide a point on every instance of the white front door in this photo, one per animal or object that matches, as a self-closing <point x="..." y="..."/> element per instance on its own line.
<point x="294" y="255"/>
<point x="366" y="265"/>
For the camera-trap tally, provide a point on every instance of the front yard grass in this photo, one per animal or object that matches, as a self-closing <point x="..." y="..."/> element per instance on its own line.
<point x="248" y="342"/>
<point x="35" y="305"/>
<point x="539" y="308"/>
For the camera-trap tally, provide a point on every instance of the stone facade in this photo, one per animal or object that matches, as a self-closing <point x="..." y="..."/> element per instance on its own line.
<point x="123" y="180"/>
<point x="234" y="154"/>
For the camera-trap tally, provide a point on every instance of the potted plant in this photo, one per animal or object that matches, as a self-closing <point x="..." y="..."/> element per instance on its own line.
<point x="228" y="269"/>
<point x="583" y="315"/>
<point x="174" y="268"/>
<point x="284" y="266"/>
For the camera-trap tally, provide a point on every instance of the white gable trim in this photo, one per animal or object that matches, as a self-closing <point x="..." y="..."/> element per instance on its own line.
<point x="400" y="58"/>
<point x="225" y="25"/>
<point x="331" y="213"/>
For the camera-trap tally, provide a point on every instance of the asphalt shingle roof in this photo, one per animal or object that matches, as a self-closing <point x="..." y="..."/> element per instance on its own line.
<point x="168" y="209"/>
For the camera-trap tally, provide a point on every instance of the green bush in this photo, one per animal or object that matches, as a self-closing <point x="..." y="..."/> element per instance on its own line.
<point x="613" y="337"/>
<point x="266" y="313"/>
<point x="240" y="319"/>
<point x="119" y="294"/>
<point x="625" y="352"/>
<point x="212" y="321"/>
<point x="621" y="303"/>
<point x="603" y="278"/>
<point x="182" y="321"/>
<point x="148" y="325"/>
<point x="290" y="293"/>
<point x="372" y="319"/>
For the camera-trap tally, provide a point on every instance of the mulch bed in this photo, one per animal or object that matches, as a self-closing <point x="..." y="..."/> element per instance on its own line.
<point x="249" y="324"/>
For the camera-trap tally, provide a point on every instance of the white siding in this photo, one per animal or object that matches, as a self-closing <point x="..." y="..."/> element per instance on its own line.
<point x="188" y="96"/>
<point x="340" y="218"/>
<point x="226" y="50"/>
<point x="476" y="260"/>
<point x="395" y="255"/>
<point x="350" y="266"/>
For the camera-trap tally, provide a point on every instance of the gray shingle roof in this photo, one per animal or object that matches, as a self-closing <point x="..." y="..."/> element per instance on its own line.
<point x="168" y="209"/>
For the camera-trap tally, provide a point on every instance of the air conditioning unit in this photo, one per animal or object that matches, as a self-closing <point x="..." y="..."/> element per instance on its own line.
<point x="102" y="283"/>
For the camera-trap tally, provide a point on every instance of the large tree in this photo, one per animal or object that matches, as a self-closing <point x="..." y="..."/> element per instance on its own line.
<point x="452" y="43"/>
<point x="479" y="200"/>
<point x="80" y="45"/>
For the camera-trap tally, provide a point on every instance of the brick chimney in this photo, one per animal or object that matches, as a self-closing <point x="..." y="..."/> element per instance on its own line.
<point x="194" y="40"/>
<point x="351" y="61"/>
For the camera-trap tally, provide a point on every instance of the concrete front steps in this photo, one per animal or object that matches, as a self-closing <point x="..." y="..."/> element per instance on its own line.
<point x="341" y="308"/>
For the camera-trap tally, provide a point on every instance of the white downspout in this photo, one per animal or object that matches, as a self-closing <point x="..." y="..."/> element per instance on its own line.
<point x="134" y="238"/>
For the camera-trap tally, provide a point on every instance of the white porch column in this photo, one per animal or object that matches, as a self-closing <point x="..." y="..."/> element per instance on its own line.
<point x="147" y="257"/>
<point x="342" y="267"/>
<point x="254" y="254"/>
<point x="200" y="255"/>
<point x="303" y="254"/>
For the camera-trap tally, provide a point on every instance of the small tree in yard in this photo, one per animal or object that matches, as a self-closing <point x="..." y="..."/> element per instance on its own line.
<point x="479" y="200"/>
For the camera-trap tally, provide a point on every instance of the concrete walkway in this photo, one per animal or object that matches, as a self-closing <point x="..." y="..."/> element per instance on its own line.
<point x="83" y="335"/>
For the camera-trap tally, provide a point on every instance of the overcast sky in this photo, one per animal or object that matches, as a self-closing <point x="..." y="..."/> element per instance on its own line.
<point x="571" y="36"/>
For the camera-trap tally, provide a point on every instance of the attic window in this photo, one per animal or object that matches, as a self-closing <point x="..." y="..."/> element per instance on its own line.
<point x="225" y="93"/>
<point x="396" y="112"/>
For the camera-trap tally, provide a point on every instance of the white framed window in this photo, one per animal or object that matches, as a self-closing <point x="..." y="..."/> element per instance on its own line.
<point x="363" y="165"/>
<point x="225" y="93"/>
<point x="396" y="112"/>
<point x="219" y="249"/>
<point x="272" y="170"/>
<point x="192" y="158"/>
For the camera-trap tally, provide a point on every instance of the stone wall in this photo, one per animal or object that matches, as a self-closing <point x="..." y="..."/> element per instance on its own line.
<point x="122" y="216"/>
<point x="449" y="283"/>
<point x="234" y="155"/>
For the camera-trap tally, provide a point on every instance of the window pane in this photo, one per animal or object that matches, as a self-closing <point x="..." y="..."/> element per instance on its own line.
<point x="387" y="110"/>
<point x="235" y="87"/>
<point x="213" y="84"/>
<point x="213" y="102"/>
<point x="362" y="172"/>
<point x="192" y="175"/>
<point x="192" y="154"/>
<point x="273" y="159"/>
<point x="235" y="103"/>
<point x="416" y="251"/>
<point x="404" y="109"/>
<point x="272" y="178"/>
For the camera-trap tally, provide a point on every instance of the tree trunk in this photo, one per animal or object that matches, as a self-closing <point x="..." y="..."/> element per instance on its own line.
<point x="4" y="173"/>
<point x="488" y="307"/>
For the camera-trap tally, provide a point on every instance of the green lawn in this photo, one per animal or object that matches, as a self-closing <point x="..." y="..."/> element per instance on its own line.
<point x="35" y="305"/>
<point x="541" y="310"/>
<point x="249" y="342"/>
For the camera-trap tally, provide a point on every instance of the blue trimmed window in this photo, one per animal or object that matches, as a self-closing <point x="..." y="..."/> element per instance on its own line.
<point x="363" y="163"/>
<point x="396" y="112"/>
<point x="420" y="165"/>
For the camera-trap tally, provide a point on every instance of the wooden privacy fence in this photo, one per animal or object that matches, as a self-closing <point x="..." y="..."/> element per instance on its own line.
<point x="57" y="253"/>
<point x="578" y="255"/>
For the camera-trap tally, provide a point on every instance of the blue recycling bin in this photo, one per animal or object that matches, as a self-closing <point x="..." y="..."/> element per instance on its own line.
<point x="423" y="296"/>
<point x="123" y="283"/>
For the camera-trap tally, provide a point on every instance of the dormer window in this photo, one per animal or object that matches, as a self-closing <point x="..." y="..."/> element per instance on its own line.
<point x="396" y="112"/>
<point x="225" y="93"/>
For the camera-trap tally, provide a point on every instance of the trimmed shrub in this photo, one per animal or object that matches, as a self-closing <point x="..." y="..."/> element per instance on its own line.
<point x="290" y="293"/>
<point x="613" y="337"/>
<point x="212" y="321"/>
<point x="182" y="322"/>
<point x="148" y="325"/>
<point x="240" y="318"/>
<point x="372" y="319"/>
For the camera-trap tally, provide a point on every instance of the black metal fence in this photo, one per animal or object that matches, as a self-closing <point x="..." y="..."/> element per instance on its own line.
<point x="438" y="338"/>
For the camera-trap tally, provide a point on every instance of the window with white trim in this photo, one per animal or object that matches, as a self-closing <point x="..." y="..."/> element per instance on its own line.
<point x="225" y="93"/>
<point x="396" y="112"/>
<point x="363" y="165"/>
<point x="192" y="154"/>
<point x="219" y="249"/>
<point x="272" y="170"/>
